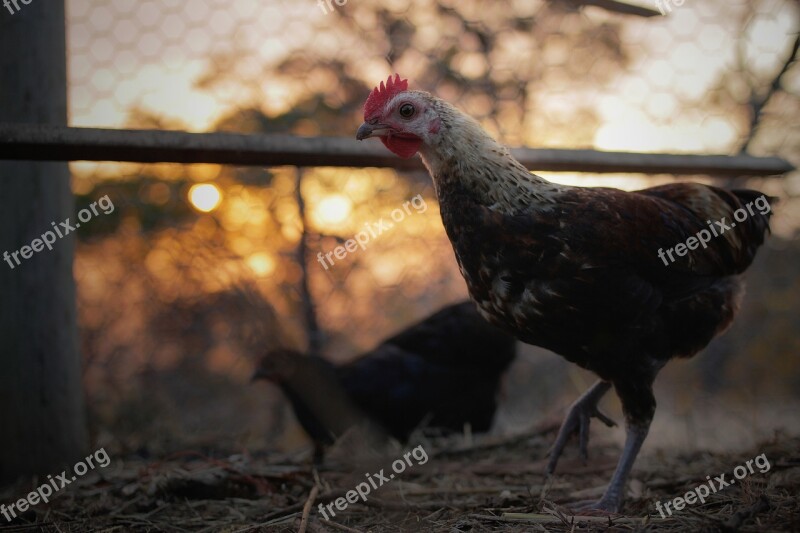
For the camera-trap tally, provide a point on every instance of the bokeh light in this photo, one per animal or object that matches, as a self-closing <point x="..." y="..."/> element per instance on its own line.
<point x="261" y="263"/>
<point x="333" y="210"/>
<point x="205" y="197"/>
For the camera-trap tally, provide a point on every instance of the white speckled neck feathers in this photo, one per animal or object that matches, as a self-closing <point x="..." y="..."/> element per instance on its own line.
<point x="465" y="152"/>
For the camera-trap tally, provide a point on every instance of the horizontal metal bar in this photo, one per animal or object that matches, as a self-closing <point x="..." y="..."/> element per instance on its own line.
<point x="623" y="8"/>
<point x="61" y="143"/>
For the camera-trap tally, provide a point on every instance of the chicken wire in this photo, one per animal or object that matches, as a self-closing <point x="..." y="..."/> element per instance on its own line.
<point x="195" y="62"/>
<point x="165" y="286"/>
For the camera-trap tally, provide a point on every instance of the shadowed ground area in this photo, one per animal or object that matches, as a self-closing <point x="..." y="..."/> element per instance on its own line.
<point x="496" y="484"/>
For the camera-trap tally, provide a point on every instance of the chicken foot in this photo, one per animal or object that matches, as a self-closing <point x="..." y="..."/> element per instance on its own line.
<point x="578" y="419"/>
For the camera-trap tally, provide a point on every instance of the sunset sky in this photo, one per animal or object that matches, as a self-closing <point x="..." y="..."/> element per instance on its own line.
<point x="149" y="55"/>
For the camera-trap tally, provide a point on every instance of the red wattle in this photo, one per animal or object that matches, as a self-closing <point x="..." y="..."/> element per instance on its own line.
<point x="404" y="147"/>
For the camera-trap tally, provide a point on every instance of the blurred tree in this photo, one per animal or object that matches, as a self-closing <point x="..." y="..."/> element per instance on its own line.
<point x="492" y="62"/>
<point x="764" y="101"/>
<point x="467" y="61"/>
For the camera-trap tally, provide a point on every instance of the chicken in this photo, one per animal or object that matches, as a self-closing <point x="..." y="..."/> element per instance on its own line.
<point x="444" y="372"/>
<point x="320" y="403"/>
<point x="579" y="270"/>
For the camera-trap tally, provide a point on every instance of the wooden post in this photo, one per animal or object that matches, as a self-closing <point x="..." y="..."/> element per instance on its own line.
<point x="41" y="399"/>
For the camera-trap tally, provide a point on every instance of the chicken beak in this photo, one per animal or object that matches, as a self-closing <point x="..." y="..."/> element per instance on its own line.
<point x="365" y="131"/>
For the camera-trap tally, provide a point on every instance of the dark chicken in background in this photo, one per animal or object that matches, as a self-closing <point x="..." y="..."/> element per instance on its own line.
<point x="443" y="372"/>
<point x="576" y="270"/>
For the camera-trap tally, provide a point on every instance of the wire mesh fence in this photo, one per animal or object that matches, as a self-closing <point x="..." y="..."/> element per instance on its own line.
<point x="198" y="268"/>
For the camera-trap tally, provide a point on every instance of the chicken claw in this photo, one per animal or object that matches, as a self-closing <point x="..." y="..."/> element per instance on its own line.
<point x="578" y="419"/>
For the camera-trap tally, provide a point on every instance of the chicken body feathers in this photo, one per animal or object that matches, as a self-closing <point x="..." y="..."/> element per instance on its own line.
<point x="576" y="270"/>
<point x="584" y="271"/>
<point x="442" y="372"/>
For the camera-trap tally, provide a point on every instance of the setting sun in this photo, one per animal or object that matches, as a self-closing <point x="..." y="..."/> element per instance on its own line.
<point x="333" y="209"/>
<point x="205" y="197"/>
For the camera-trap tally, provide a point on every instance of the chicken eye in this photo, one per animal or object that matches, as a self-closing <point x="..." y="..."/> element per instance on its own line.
<point x="407" y="110"/>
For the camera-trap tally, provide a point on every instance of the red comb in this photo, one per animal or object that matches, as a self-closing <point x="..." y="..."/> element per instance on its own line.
<point x="379" y="96"/>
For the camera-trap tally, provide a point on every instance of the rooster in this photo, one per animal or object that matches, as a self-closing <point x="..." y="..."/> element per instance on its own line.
<point x="577" y="270"/>
<point x="443" y="371"/>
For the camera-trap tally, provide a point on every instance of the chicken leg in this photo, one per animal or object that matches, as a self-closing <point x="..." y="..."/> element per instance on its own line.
<point x="612" y="497"/>
<point x="580" y="414"/>
<point x="639" y="406"/>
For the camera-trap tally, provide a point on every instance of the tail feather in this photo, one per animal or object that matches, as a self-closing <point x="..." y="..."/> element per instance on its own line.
<point x="738" y="218"/>
<point x="751" y="211"/>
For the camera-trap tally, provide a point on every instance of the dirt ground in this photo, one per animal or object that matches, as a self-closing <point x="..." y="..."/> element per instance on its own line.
<point x="494" y="485"/>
